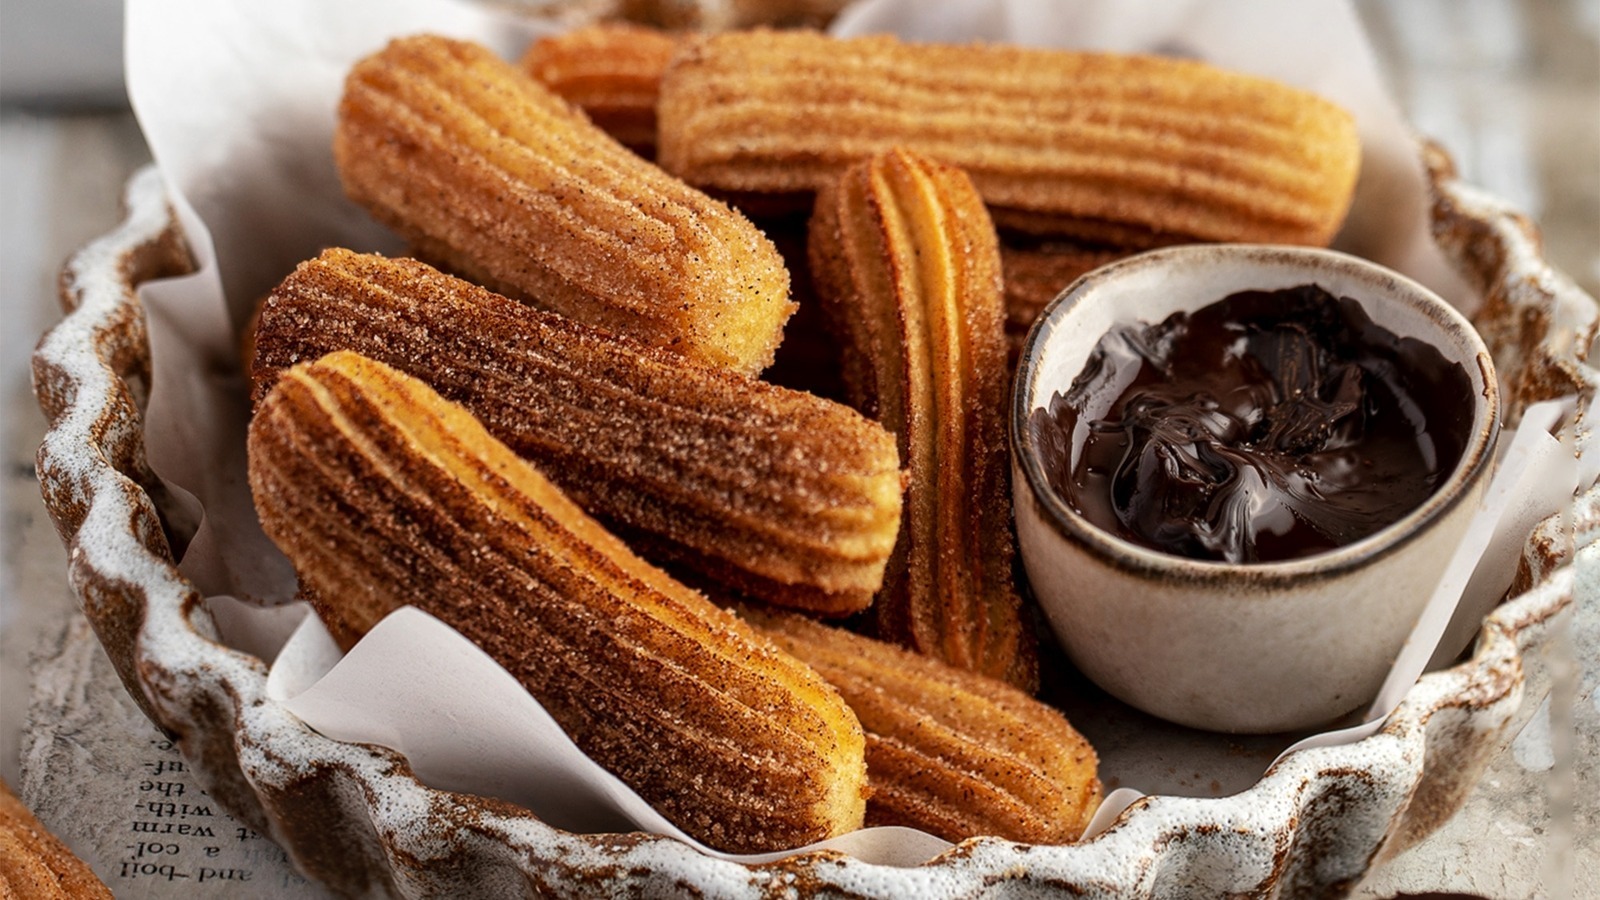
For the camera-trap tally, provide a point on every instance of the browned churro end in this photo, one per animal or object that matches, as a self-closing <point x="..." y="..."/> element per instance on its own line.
<point x="1060" y="143"/>
<point x="906" y="261"/>
<point x="383" y="493"/>
<point x="951" y="752"/>
<point x="491" y="175"/>
<point x="611" y="71"/>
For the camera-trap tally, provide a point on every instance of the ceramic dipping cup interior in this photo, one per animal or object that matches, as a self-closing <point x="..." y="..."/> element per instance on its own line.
<point x="1255" y="647"/>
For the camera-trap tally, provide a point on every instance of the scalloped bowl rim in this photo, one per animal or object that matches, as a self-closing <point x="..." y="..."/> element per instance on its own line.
<point x="420" y="840"/>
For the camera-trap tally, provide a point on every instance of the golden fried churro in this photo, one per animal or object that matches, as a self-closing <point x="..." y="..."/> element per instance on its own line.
<point x="383" y="493"/>
<point x="34" y="864"/>
<point x="778" y="494"/>
<point x="1057" y="142"/>
<point x="612" y="72"/>
<point x="951" y="752"/>
<point x="487" y="172"/>
<point x="906" y="262"/>
<point x="1035" y="273"/>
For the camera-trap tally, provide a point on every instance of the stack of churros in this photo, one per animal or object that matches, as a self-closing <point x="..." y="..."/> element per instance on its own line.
<point x="1082" y="157"/>
<point x="521" y="439"/>
<point x="766" y="491"/>
<point x="491" y="175"/>
<point x="1114" y="149"/>
<point x="382" y="493"/>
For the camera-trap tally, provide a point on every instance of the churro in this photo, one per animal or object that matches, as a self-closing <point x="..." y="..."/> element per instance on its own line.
<point x="774" y="493"/>
<point x="906" y="262"/>
<point x="951" y="752"/>
<point x="1059" y="143"/>
<point x="489" y="174"/>
<point x="610" y="71"/>
<point x="383" y="493"/>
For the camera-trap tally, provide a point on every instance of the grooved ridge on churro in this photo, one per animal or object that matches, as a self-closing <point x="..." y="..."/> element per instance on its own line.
<point x="1142" y="150"/>
<point x="487" y="172"/>
<point x="907" y="264"/>
<point x="775" y="493"/>
<point x="612" y="72"/>
<point x="383" y="493"/>
<point x="951" y="752"/>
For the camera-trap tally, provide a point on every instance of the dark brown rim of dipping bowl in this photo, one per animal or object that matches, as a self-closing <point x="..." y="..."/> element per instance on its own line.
<point x="1127" y="556"/>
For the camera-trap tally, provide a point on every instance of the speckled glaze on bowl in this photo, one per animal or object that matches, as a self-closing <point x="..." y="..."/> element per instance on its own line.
<point x="356" y="819"/>
<point x="1257" y="648"/>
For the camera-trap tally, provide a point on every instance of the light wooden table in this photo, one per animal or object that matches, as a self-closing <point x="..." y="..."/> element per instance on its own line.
<point x="1513" y="89"/>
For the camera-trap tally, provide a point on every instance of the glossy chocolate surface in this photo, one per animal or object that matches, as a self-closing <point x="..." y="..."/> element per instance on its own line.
<point x="1270" y="425"/>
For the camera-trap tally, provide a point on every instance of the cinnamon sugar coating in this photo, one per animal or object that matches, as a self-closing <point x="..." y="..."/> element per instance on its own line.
<point x="383" y="493"/>
<point x="485" y="171"/>
<point x="951" y="752"/>
<point x="611" y="71"/>
<point x="1069" y="144"/>
<point x="34" y="864"/>
<point x="906" y="261"/>
<point x="769" y="492"/>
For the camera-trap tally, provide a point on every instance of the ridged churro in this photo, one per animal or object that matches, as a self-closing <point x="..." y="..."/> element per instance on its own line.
<point x="777" y="494"/>
<point x="610" y="71"/>
<point x="1057" y="142"/>
<point x="951" y="752"/>
<point x="488" y="173"/>
<point x="383" y="493"/>
<point x="906" y="262"/>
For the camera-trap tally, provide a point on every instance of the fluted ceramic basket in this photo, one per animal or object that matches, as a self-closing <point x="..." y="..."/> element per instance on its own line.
<point x="1306" y="640"/>
<point x="355" y="818"/>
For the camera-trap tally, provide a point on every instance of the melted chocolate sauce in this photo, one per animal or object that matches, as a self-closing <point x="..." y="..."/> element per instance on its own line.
<point x="1270" y="425"/>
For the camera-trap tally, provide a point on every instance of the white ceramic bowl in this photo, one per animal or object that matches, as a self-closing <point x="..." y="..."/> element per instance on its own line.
<point x="1258" y="647"/>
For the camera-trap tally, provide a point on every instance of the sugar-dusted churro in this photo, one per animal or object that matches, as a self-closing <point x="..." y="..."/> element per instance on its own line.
<point x="774" y="493"/>
<point x="906" y="262"/>
<point x="1057" y="142"/>
<point x="949" y="751"/>
<point x="610" y="71"/>
<point x="490" y="174"/>
<point x="383" y="493"/>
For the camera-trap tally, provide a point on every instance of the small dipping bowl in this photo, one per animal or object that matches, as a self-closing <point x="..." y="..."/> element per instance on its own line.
<point x="1254" y="647"/>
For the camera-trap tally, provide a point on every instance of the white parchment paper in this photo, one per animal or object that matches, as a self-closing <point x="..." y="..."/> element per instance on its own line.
<point x="237" y="102"/>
